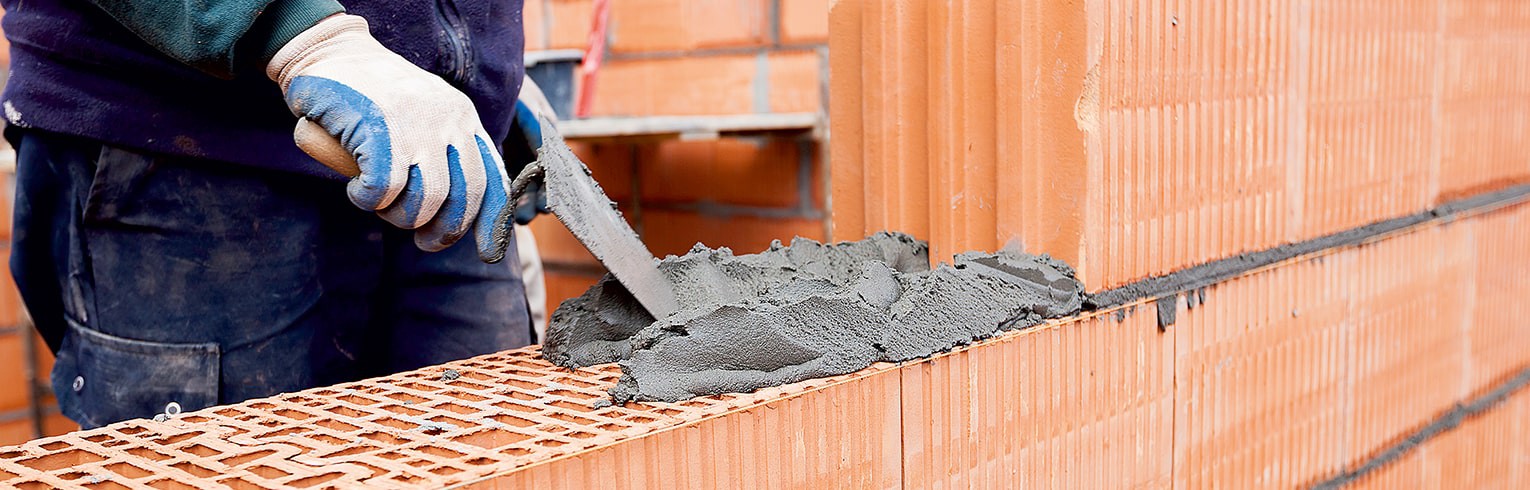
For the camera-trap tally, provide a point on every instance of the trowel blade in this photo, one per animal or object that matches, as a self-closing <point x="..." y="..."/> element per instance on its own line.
<point x="578" y="201"/>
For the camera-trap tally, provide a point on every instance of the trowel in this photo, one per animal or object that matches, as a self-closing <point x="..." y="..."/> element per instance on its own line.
<point x="572" y="195"/>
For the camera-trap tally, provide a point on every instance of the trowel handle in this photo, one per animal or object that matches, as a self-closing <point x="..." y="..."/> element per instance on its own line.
<point x="317" y="143"/>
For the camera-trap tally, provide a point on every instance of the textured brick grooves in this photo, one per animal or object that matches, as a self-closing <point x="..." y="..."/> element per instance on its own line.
<point x="1281" y="376"/>
<point x="1135" y="138"/>
<point x="1463" y="414"/>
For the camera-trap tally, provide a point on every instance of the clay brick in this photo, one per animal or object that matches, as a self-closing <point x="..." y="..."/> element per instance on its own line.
<point x="16" y="431"/>
<point x="1482" y="97"/>
<point x="1480" y="453"/>
<point x="1260" y="377"/>
<point x="1365" y="159"/>
<point x="1497" y="329"/>
<point x="1133" y="140"/>
<point x="1402" y="341"/>
<point x="5" y="47"/>
<point x="12" y="312"/>
<point x="1283" y="376"/>
<point x="611" y="165"/>
<point x="746" y="172"/>
<point x="804" y="21"/>
<point x="7" y="195"/>
<point x="675" y="232"/>
<point x="1037" y="408"/>
<point x="698" y="85"/>
<point x="533" y="17"/>
<point x="539" y="19"/>
<point x="562" y="285"/>
<point x="13" y="381"/>
<point x="926" y="100"/>
<point x="854" y="422"/>
<point x="682" y="25"/>
<point x="504" y="411"/>
<point x="568" y="23"/>
<point x="557" y="246"/>
<point x="794" y="81"/>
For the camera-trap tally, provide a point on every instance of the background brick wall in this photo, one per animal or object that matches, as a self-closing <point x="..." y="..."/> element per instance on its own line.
<point x="695" y="57"/>
<point x="17" y="421"/>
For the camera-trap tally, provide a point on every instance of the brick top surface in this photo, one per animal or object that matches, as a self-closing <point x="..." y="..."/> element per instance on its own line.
<point x="418" y="429"/>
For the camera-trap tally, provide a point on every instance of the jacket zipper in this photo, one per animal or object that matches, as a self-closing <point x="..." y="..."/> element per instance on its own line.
<point x="456" y="35"/>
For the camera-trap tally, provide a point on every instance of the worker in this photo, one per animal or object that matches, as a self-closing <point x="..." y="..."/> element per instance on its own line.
<point x="175" y="248"/>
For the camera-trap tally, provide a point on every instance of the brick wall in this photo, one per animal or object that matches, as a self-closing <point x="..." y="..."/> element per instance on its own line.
<point x="1282" y="377"/>
<point x="1133" y="139"/>
<point x="695" y="57"/>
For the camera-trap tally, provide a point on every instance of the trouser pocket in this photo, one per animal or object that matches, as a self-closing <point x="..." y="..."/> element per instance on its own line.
<point x="100" y="378"/>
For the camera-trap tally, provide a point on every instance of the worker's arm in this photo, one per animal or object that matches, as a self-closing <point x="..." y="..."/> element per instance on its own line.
<point x="209" y="34"/>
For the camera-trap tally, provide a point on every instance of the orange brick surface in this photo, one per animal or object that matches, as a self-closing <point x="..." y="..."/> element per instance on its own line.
<point x="804" y="21"/>
<point x="1138" y="138"/>
<point x="748" y="172"/>
<point x="785" y="81"/>
<point x="675" y="232"/>
<point x="1283" y="376"/>
<point x="557" y="24"/>
<point x="681" y="25"/>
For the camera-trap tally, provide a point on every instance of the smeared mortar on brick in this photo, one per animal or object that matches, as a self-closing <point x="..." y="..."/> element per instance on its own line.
<point x="1201" y="276"/>
<point x="806" y="311"/>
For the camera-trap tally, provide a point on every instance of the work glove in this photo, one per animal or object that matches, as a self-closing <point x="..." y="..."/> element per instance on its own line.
<point x="422" y="158"/>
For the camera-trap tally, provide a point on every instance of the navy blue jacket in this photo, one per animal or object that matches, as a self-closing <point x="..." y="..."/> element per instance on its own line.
<point x="78" y="70"/>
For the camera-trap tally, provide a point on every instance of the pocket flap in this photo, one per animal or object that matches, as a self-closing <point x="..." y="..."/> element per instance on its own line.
<point x="100" y="378"/>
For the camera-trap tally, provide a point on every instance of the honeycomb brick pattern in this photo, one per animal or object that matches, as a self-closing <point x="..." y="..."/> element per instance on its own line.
<point x="418" y="429"/>
<point x="1281" y="377"/>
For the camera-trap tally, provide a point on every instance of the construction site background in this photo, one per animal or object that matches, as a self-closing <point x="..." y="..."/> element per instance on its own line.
<point x="664" y="58"/>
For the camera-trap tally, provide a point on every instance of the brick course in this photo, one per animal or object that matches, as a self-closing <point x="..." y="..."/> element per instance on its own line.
<point x="1284" y="376"/>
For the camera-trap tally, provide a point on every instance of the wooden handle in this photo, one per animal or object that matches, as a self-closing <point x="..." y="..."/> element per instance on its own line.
<point x="317" y="143"/>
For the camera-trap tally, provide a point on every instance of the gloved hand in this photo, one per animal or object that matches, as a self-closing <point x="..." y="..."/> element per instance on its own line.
<point x="425" y="161"/>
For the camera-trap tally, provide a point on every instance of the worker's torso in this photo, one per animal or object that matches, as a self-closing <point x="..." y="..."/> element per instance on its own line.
<point x="75" y="70"/>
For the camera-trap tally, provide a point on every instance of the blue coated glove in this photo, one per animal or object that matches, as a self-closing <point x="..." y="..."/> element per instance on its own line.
<point x="422" y="158"/>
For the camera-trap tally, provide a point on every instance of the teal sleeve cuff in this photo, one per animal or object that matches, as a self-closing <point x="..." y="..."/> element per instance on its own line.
<point x="285" y="19"/>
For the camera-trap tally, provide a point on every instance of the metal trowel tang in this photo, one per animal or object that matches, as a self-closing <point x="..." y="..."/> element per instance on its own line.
<point x="578" y="201"/>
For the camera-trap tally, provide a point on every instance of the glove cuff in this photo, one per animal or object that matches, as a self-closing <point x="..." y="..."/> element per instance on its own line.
<point x="296" y="54"/>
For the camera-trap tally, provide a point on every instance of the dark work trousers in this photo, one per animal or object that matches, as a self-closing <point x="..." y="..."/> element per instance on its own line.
<point x="160" y="279"/>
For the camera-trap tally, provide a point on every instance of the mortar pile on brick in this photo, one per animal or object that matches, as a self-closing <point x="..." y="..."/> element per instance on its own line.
<point x="803" y="311"/>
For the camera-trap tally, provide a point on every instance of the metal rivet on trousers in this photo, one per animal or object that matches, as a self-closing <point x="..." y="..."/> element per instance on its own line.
<point x="79" y="383"/>
<point x="173" y="409"/>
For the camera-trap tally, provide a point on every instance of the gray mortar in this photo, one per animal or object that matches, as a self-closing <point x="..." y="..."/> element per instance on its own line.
<point x="1216" y="271"/>
<point x="805" y="311"/>
<point x="599" y="326"/>
<point x="1443" y="423"/>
